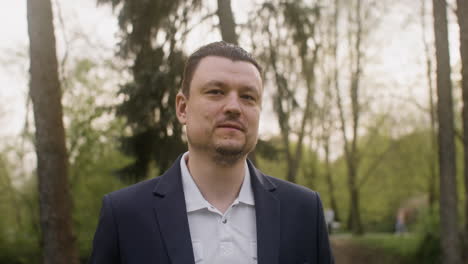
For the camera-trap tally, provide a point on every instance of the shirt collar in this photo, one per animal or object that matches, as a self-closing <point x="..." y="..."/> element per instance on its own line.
<point x="194" y="200"/>
<point x="246" y="192"/>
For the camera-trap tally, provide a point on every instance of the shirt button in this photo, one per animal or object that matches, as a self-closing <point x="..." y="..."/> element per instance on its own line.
<point x="224" y="221"/>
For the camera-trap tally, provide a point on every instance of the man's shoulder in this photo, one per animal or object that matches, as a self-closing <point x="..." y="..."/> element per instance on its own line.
<point x="293" y="198"/>
<point x="135" y="192"/>
<point x="146" y="189"/>
<point x="292" y="190"/>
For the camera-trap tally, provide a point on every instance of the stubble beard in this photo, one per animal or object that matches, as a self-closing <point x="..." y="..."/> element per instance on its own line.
<point x="224" y="155"/>
<point x="228" y="156"/>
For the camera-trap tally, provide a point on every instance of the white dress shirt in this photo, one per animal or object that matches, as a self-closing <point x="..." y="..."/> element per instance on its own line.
<point x="217" y="238"/>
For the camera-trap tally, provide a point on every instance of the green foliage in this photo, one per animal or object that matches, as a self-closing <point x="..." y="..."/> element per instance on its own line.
<point x="140" y="21"/>
<point x="91" y="183"/>
<point x="92" y="136"/>
<point x="151" y="37"/>
<point x="282" y="37"/>
<point x="274" y="168"/>
<point x="427" y="229"/>
<point x="302" y="19"/>
<point x="392" y="248"/>
<point x="394" y="171"/>
<point x="19" y="251"/>
<point x="267" y="150"/>
<point x="19" y="224"/>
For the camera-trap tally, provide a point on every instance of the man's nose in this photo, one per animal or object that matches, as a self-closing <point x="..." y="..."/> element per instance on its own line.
<point x="232" y="106"/>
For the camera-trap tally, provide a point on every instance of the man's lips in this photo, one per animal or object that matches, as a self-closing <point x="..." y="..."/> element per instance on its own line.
<point x="231" y="125"/>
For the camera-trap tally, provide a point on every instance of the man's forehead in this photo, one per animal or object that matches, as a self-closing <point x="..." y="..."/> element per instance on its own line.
<point x="224" y="70"/>
<point x="216" y="62"/>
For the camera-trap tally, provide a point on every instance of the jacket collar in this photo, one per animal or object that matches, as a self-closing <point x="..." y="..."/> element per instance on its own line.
<point x="267" y="210"/>
<point x="171" y="215"/>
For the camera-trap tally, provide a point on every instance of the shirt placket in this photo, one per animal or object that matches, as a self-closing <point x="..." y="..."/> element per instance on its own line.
<point x="226" y="250"/>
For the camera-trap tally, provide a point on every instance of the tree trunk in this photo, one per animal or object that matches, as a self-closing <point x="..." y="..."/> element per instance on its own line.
<point x="350" y="150"/>
<point x="462" y="13"/>
<point x="354" y="220"/>
<point x="355" y="213"/>
<point x="308" y="71"/>
<point x="227" y="25"/>
<point x="281" y="112"/>
<point x="329" y="177"/>
<point x="351" y="146"/>
<point x="450" y="243"/>
<point x="431" y="158"/>
<point x="54" y="198"/>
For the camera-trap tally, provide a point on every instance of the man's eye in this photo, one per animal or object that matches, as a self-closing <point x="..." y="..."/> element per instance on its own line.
<point x="249" y="97"/>
<point x="215" y="92"/>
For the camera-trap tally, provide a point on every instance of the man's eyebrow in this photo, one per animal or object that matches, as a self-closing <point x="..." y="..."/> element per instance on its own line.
<point x="214" y="83"/>
<point x="221" y="84"/>
<point x="250" y="88"/>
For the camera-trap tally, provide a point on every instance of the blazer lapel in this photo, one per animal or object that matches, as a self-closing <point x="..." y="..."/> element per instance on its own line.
<point x="171" y="215"/>
<point x="267" y="210"/>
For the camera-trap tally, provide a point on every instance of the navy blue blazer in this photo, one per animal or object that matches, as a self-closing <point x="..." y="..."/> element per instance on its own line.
<point x="147" y="223"/>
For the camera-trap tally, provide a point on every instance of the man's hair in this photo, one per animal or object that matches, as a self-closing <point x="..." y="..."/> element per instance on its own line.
<point x="219" y="49"/>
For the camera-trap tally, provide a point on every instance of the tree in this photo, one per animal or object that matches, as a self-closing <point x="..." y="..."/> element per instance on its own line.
<point x="93" y="131"/>
<point x="52" y="162"/>
<point x="362" y="18"/>
<point x="152" y="34"/>
<point x="462" y="13"/>
<point x="329" y="69"/>
<point x="432" y="111"/>
<point x="450" y="243"/>
<point x="328" y="170"/>
<point x="351" y="151"/>
<point x="227" y="24"/>
<point x="290" y="52"/>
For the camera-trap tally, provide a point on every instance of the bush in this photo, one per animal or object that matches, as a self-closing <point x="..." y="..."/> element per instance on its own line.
<point x="21" y="250"/>
<point x="396" y="248"/>
<point x="427" y="228"/>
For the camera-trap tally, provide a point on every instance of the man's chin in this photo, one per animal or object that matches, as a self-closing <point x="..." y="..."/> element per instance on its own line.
<point x="229" y="150"/>
<point x="228" y="155"/>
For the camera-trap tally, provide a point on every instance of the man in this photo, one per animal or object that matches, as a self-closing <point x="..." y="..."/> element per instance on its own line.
<point x="213" y="205"/>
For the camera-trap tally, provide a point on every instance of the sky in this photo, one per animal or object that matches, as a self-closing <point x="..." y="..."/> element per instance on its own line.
<point x="395" y="59"/>
<point x="82" y="16"/>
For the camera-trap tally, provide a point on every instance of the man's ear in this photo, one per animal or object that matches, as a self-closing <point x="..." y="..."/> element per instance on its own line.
<point x="181" y="108"/>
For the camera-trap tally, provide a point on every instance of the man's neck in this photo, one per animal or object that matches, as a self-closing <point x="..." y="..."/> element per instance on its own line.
<point x="219" y="185"/>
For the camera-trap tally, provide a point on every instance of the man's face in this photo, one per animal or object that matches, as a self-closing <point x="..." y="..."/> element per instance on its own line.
<point x="223" y="109"/>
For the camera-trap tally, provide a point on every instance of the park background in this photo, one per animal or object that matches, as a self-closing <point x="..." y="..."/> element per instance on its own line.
<point x="350" y="105"/>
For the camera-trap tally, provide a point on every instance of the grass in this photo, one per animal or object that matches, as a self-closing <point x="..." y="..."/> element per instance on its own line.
<point x="399" y="245"/>
<point x="381" y="248"/>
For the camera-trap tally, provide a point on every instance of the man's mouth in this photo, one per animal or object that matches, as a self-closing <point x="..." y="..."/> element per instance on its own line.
<point x="232" y="125"/>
